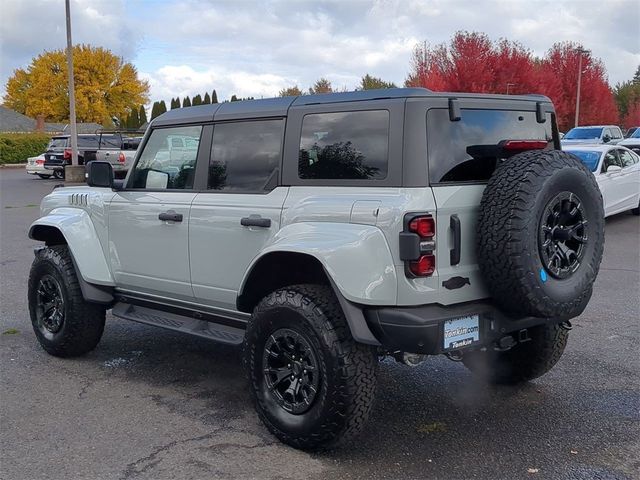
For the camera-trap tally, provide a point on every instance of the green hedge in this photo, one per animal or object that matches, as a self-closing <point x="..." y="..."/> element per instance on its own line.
<point x="17" y="147"/>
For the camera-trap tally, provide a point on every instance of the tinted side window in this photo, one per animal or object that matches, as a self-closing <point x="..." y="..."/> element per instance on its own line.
<point x="165" y="165"/>
<point x="110" y="141"/>
<point x="245" y="155"/>
<point x="88" y="141"/>
<point x="57" y="143"/>
<point x="610" y="158"/>
<point x="626" y="158"/>
<point x="468" y="150"/>
<point x="344" y="145"/>
<point x="617" y="133"/>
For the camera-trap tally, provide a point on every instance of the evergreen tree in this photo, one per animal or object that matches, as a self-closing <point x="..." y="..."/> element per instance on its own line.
<point x="133" y="121"/>
<point x="142" y="115"/>
<point x="214" y="97"/>
<point x="234" y="98"/>
<point x="186" y="102"/>
<point x="154" y="110"/>
<point x="163" y="107"/>
<point x="197" y="100"/>
<point x="207" y="99"/>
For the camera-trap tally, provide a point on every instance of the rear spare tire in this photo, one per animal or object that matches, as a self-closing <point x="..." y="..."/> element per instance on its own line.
<point x="541" y="234"/>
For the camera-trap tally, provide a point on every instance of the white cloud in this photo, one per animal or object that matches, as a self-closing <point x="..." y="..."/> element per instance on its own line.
<point x="255" y="48"/>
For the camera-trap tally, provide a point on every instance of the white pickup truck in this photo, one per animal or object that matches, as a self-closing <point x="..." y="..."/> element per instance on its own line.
<point x="120" y="158"/>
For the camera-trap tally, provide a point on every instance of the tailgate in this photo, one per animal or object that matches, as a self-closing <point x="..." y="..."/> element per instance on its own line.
<point x="457" y="210"/>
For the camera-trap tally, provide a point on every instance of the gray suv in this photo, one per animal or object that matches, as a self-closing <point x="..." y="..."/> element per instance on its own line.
<point x="324" y="232"/>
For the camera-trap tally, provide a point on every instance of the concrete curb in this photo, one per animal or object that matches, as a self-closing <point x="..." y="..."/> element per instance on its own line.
<point x="13" y="165"/>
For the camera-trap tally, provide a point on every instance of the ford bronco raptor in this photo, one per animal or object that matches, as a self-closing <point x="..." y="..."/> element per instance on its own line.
<point x="323" y="232"/>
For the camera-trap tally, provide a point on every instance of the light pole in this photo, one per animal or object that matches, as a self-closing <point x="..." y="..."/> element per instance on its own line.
<point x="510" y="85"/>
<point x="72" y="93"/>
<point x="581" y="51"/>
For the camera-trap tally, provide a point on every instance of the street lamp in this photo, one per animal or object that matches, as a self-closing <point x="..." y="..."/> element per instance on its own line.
<point x="580" y="51"/>
<point x="510" y="85"/>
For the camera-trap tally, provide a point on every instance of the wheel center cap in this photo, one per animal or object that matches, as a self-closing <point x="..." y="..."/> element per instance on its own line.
<point x="561" y="234"/>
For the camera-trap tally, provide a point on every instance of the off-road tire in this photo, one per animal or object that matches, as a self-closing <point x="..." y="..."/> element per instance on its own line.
<point x="523" y="362"/>
<point x="348" y="370"/>
<point x="83" y="322"/>
<point x="512" y="211"/>
<point x="43" y="176"/>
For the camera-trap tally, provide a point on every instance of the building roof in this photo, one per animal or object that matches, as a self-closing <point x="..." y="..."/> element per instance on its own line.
<point x="12" y="121"/>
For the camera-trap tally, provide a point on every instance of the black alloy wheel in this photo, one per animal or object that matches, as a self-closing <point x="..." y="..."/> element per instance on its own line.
<point x="49" y="306"/>
<point x="312" y="384"/>
<point x="64" y="323"/>
<point x="291" y="370"/>
<point x="563" y="235"/>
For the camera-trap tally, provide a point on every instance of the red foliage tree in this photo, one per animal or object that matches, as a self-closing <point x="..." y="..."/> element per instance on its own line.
<point x="559" y="80"/>
<point x="472" y="63"/>
<point x="632" y="118"/>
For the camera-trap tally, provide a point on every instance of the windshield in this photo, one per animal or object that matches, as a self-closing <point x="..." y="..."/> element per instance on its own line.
<point x="589" y="158"/>
<point x="583" y="134"/>
<point x="636" y="133"/>
<point x="57" y="143"/>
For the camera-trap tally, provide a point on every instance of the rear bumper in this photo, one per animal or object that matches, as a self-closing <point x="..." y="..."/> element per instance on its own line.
<point x="421" y="329"/>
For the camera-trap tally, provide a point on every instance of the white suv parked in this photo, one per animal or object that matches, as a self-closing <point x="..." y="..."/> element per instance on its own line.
<point x="325" y="231"/>
<point x="593" y="134"/>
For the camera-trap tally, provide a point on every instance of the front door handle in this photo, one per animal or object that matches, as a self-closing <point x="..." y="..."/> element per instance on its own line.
<point x="255" y="221"/>
<point x="170" y="216"/>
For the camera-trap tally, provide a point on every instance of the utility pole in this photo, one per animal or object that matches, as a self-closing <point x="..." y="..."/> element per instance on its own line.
<point x="72" y="93"/>
<point x="581" y="51"/>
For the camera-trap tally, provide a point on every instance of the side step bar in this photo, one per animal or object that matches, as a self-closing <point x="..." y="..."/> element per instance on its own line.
<point x="192" y="326"/>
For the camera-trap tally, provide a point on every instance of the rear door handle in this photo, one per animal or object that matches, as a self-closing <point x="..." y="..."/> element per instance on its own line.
<point x="170" y="216"/>
<point x="255" y="221"/>
<point x="454" y="253"/>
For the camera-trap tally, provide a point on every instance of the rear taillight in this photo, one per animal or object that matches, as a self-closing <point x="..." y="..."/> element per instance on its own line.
<point x="39" y="161"/>
<point x="67" y="154"/>
<point x="423" y="226"/>
<point x="417" y="245"/>
<point x="424" y="267"/>
<point x="521" y="145"/>
<point x="121" y="158"/>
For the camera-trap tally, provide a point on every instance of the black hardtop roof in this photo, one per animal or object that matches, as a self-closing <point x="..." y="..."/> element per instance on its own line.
<point x="278" y="107"/>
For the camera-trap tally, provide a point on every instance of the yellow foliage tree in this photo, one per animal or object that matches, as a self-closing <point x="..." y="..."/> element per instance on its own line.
<point x="106" y="86"/>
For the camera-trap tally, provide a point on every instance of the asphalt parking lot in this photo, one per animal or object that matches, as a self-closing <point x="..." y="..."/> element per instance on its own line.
<point x="152" y="404"/>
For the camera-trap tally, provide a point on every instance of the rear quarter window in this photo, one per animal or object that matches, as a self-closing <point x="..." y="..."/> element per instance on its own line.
<point x="466" y="150"/>
<point x="344" y="145"/>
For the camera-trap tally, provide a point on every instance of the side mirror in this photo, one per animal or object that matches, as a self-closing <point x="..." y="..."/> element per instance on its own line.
<point x="99" y="174"/>
<point x="606" y="139"/>
<point x="613" y="168"/>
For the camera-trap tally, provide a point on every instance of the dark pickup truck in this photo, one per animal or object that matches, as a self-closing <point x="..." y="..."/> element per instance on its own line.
<point x="58" y="152"/>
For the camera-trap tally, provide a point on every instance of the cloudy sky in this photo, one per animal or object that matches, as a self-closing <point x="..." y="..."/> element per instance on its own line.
<point x="255" y="48"/>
